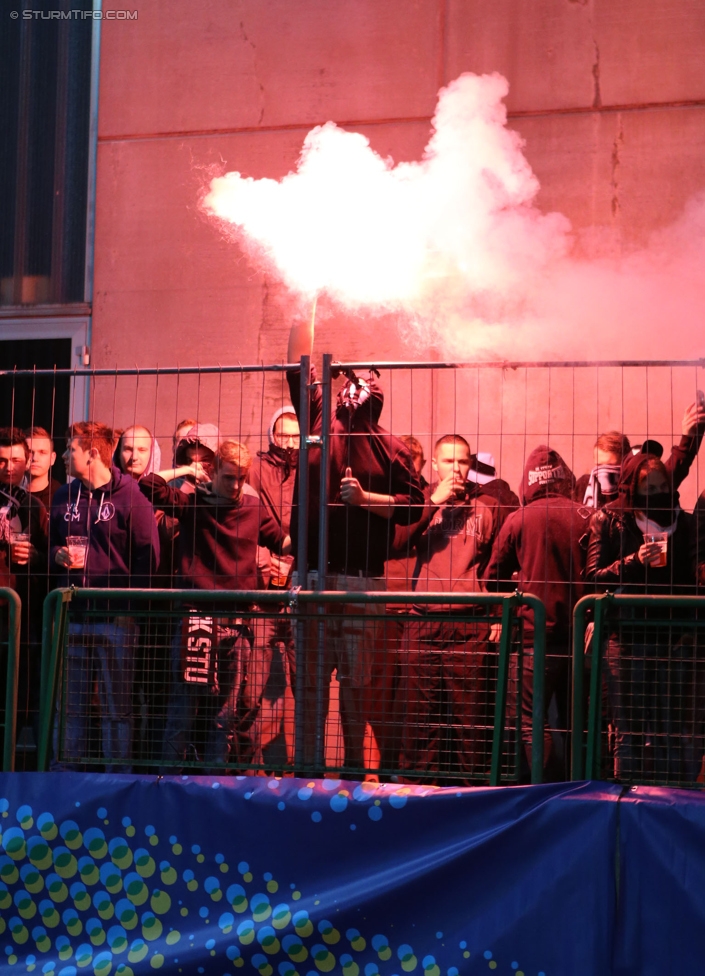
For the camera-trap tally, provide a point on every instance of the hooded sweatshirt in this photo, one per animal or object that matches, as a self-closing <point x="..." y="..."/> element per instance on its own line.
<point x="155" y="457"/>
<point x="359" y="540"/>
<point x="616" y="537"/>
<point x="207" y="435"/>
<point x="123" y="544"/>
<point x="218" y="538"/>
<point x="20" y="511"/>
<point x="456" y="544"/>
<point x="273" y="476"/>
<point x="541" y="543"/>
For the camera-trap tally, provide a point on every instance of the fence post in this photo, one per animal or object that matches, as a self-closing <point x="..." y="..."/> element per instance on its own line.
<point x="577" y="757"/>
<point x="302" y="556"/>
<point x="14" y="610"/>
<point x="500" y="704"/>
<point x="319" y="747"/>
<point x="594" y="741"/>
<point x="61" y="598"/>
<point x="537" y="718"/>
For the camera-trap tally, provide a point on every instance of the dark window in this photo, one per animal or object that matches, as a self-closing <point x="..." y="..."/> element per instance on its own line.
<point x="45" y="67"/>
<point x="37" y="401"/>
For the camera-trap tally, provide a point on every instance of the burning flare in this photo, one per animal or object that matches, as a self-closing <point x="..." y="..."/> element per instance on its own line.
<point x="369" y="233"/>
<point x="455" y="246"/>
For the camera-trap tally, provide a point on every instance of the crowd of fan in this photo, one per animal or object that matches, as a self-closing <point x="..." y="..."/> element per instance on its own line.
<point x="219" y="519"/>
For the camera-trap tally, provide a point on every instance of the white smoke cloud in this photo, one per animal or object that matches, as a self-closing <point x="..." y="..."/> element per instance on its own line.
<point x="456" y="246"/>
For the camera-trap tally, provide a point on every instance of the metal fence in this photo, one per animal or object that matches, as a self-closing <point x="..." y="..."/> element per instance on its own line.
<point x="10" y="616"/>
<point x="165" y="680"/>
<point x="503" y="409"/>
<point x="639" y="667"/>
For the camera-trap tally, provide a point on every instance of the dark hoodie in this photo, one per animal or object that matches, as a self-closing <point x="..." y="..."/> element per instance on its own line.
<point x="21" y="511"/>
<point x="273" y="476"/>
<point x="359" y="540"/>
<point x="123" y="544"/>
<point x="615" y="539"/>
<point x="541" y="543"/>
<point x="218" y="538"/>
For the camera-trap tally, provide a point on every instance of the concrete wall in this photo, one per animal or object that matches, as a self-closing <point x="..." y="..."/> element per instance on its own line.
<point x="608" y="94"/>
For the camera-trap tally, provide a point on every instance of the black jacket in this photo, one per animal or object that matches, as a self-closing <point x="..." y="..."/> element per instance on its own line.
<point x="615" y="539"/>
<point x="359" y="540"/>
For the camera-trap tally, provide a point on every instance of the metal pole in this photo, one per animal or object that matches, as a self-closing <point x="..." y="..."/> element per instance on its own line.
<point x="577" y="766"/>
<point x="500" y="707"/>
<point x="302" y="558"/>
<point x="594" y="743"/>
<point x="537" y="719"/>
<point x="321" y="677"/>
<point x="60" y="599"/>
<point x="14" y="610"/>
<point x="325" y="466"/>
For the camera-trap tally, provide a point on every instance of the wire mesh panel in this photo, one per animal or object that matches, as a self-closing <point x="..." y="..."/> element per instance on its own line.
<point x="646" y="672"/>
<point x="306" y="683"/>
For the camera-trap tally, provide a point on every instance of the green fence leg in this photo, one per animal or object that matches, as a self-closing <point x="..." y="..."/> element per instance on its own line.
<point x="59" y="601"/>
<point x="537" y="717"/>
<point x="14" y="611"/>
<point x="500" y="706"/>
<point x="577" y="758"/>
<point x="594" y="743"/>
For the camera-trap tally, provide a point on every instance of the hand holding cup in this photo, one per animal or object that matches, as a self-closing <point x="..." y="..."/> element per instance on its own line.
<point x="21" y="549"/>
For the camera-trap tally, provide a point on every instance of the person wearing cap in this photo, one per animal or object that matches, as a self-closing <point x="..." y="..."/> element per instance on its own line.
<point x="194" y="456"/>
<point x="543" y="544"/>
<point x="483" y="475"/>
<point x="644" y="543"/>
<point x="272" y="476"/>
<point x="372" y="488"/>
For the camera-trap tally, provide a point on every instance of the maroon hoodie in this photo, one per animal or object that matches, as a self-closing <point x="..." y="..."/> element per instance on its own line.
<point x="541" y="543"/>
<point x="218" y="538"/>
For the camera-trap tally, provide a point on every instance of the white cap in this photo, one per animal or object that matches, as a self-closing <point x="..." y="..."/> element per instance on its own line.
<point x="482" y="468"/>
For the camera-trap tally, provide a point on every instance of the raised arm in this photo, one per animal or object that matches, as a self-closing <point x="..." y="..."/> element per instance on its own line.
<point x="162" y="496"/>
<point x="684" y="453"/>
<point x="195" y="472"/>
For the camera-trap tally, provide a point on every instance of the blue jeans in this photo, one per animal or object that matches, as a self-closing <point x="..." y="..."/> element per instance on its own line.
<point x="102" y="653"/>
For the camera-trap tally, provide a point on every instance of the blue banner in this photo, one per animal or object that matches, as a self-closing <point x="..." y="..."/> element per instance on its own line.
<point x="662" y="883"/>
<point x="130" y="874"/>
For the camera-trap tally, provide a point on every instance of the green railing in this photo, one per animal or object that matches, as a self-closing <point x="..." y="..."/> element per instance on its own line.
<point x="311" y="605"/>
<point x="610" y="612"/>
<point x="10" y="604"/>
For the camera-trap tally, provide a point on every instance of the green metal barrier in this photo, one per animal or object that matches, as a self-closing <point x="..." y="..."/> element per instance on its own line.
<point x="14" y="611"/>
<point x="586" y="755"/>
<point x="58" y="604"/>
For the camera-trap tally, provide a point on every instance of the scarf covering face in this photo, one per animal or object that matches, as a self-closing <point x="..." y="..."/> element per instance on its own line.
<point x="661" y="508"/>
<point x="604" y="481"/>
